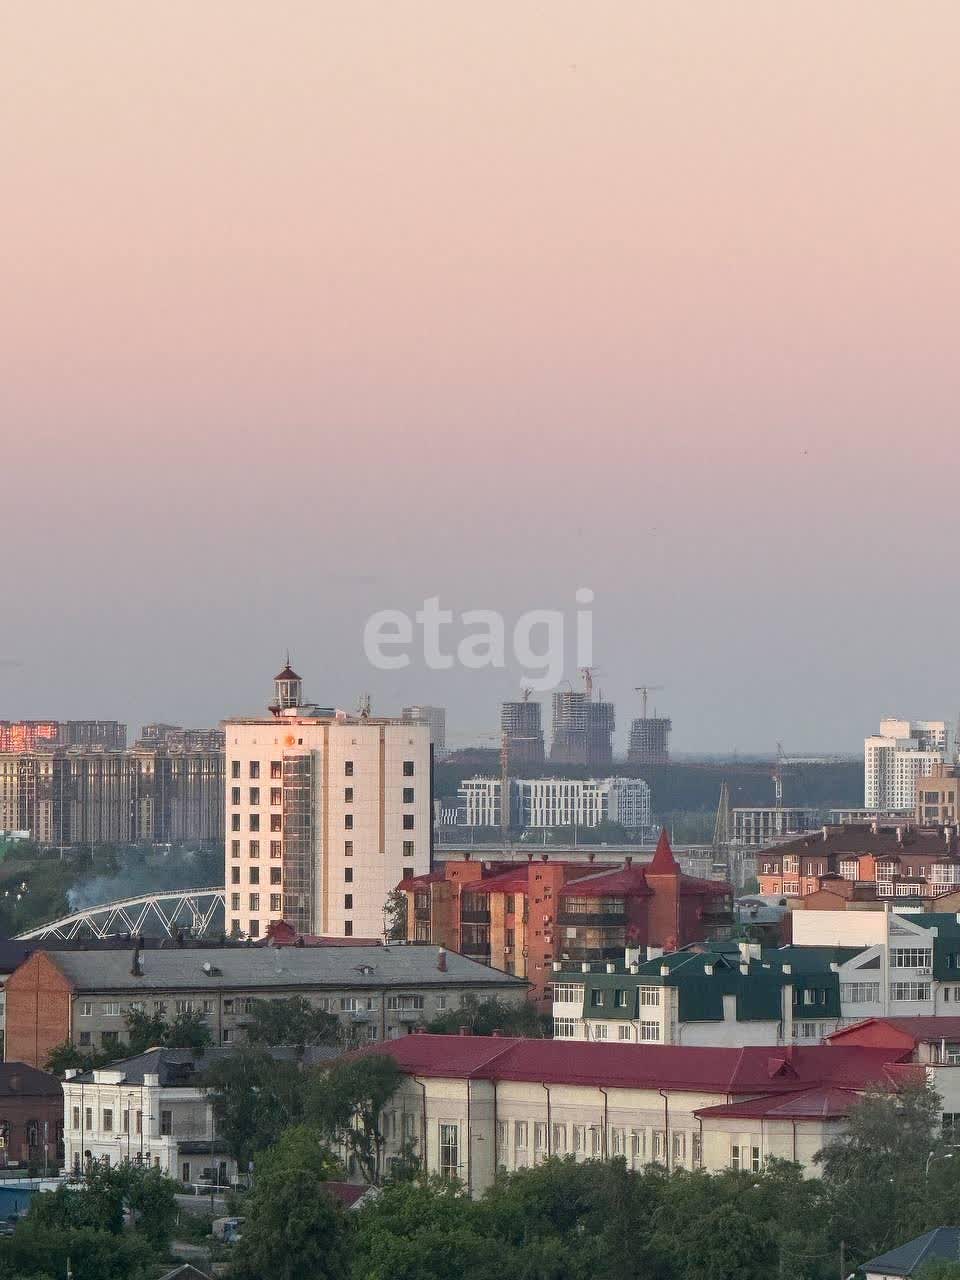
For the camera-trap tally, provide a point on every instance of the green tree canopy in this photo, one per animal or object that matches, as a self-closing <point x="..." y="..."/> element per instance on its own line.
<point x="489" y="1014"/>
<point x="346" y="1102"/>
<point x="294" y="1021"/>
<point x="293" y="1227"/>
<point x="255" y="1098"/>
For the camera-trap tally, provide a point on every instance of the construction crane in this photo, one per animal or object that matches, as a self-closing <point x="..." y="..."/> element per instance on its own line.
<point x="644" y="690"/>
<point x="588" y="673"/>
<point x="778" y="777"/>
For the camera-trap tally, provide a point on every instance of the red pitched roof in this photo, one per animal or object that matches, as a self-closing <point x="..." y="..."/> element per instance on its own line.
<point x="625" y="881"/>
<point x="826" y="1103"/>
<point x="664" y="863"/>
<point x="897" y="1031"/>
<point x="752" y="1070"/>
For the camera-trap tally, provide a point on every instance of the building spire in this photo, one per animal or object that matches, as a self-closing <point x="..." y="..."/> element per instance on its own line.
<point x="664" y="863"/>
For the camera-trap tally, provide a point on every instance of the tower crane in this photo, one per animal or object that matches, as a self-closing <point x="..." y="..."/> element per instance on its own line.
<point x="644" y="690"/>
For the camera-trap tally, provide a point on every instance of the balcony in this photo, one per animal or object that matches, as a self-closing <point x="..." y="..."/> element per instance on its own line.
<point x="475" y="917"/>
<point x="591" y="918"/>
<point x="481" y="949"/>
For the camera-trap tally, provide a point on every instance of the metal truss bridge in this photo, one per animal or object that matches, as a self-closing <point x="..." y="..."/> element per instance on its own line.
<point x="195" y="911"/>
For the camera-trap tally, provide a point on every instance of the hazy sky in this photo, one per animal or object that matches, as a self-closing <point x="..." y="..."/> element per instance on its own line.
<point x="313" y="309"/>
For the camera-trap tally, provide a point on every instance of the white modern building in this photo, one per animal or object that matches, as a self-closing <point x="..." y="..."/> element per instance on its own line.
<point x="325" y="813"/>
<point x="558" y="802"/>
<point x="761" y="826"/>
<point x="897" y="757"/>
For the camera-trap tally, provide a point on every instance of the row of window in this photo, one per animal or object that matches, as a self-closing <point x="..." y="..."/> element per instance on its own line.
<point x="276" y="795"/>
<point x="648" y="1032"/>
<point x="276" y="769"/>
<point x="115" y="1008"/>
<point x="276" y="822"/>
<point x="253" y="875"/>
<point x="588" y="1140"/>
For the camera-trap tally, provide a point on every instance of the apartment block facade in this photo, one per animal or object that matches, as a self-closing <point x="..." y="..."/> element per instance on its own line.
<point x="896" y="758"/>
<point x="544" y="803"/>
<point x="326" y="812"/>
<point x="79" y="796"/>
<point x="376" y="992"/>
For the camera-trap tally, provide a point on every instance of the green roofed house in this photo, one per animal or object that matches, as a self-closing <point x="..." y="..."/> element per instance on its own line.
<point x="942" y="1244"/>
<point x="723" y="994"/>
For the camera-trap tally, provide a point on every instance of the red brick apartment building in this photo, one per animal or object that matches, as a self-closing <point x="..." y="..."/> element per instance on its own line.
<point x="523" y="917"/>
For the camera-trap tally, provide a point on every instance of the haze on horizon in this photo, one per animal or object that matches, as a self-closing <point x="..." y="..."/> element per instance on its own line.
<point x="320" y="309"/>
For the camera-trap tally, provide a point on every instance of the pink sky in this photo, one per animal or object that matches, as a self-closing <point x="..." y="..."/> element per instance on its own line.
<point x="312" y="309"/>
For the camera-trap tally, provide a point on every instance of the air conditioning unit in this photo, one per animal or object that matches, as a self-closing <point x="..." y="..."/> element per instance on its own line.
<point x="925" y="971"/>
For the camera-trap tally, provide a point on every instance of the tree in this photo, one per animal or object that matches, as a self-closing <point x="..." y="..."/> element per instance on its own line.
<point x="187" y="1031"/>
<point x="66" y="1056"/>
<point x="294" y="1021"/>
<point x="484" y="1016"/>
<point x="725" y="1244"/>
<point x="254" y="1099"/>
<point x="887" y="1177"/>
<point x="36" y="1251"/>
<point x="346" y="1101"/>
<point x="293" y="1227"/>
<point x="152" y="1201"/>
<point x="395" y="916"/>
<point x="144" y="1031"/>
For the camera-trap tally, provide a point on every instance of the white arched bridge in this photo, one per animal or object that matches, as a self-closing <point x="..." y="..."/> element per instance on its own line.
<point x="195" y="911"/>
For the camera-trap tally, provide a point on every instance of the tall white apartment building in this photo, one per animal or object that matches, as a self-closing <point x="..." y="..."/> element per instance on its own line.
<point x="897" y="757"/>
<point x="325" y="813"/>
<point x="435" y="718"/>
<point x="558" y="802"/>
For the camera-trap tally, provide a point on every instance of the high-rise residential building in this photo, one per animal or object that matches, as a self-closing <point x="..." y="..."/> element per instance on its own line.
<point x="32" y="735"/>
<point x="649" y="740"/>
<point x="436" y="720"/>
<point x="172" y="736"/>
<point x="522" y="731"/>
<point x="896" y="758"/>
<point x="326" y="812"/>
<point x="558" y="802"/>
<point x="67" y="797"/>
<point x="582" y="729"/>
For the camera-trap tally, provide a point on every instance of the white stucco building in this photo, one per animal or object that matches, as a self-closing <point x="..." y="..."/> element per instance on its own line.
<point x="897" y="757"/>
<point x="325" y="813"/>
<point x="558" y="802"/>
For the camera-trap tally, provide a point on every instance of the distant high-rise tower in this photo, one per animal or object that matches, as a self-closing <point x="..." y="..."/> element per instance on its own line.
<point x="435" y="718"/>
<point x="649" y="740"/>
<point x="582" y="729"/>
<point x="521" y="727"/>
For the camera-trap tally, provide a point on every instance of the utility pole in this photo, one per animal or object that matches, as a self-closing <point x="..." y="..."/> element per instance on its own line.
<point x="843" y="1260"/>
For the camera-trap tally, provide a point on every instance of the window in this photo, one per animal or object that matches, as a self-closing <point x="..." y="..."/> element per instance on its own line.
<point x="860" y="992"/>
<point x="234" y="768"/>
<point x="408" y="795"/>
<point x="276" y="849"/>
<point x="559" y="1139"/>
<point x="348" y="821"/>
<point x="254" y="929"/>
<point x="348" y="875"/>
<point x="254" y="902"/>
<point x="254" y="768"/>
<point x="621" y="998"/>
<point x="109" y="1039"/>
<point x="679" y="1146"/>
<point x="539" y="1137"/>
<point x="166" y="1123"/>
<point x="520" y="1135"/>
<point x="86" y="1008"/>
<point x="234" y="822"/>
<point x="596" y="1140"/>
<point x="348" y="795"/>
<point x="183" y="1006"/>
<point x="745" y="1158"/>
<point x="234" y="795"/>
<point x="234" y="902"/>
<point x="567" y="993"/>
<point x="501" y="1136"/>
<point x="910" y="958"/>
<point x="108" y="1120"/>
<point x="650" y="996"/>
<point x="234" y="875"/>
<point x="234" y="848"/>
<point x="408" y="822"/>
<point x="408" y="848"/>
<point x="951" y="1127"/>
<point x="276" y="902"/>
<point x="649" y="1031"/>
<point x="160" y="1007"/>
<point x="659" y="1145"/>
<point x="85" y="1038"/>
<point x="564" y="1028"/>
<point x="276" y="822"/>
<point x="405" y="1002"/>
<point x="348" y="928"/>
<point x="638" y="1143"/>
<point x="88" y="1117"/>
<point x="596" y="999"/>
<point x="76" y="1118"/>
<point x="348" y="768"/>
<point x="110" y="1008"/>
<point x="139" y="1120"/>
<point x="408" y="768"/>
<point x="276" y="875"/>
<point x="348" y="902"/>
<point x="276" y="768"/>
<point x="254" y="822"/>
<point x="348" y="848"/>
<point x="625" y="1032"/>
<point x="254" y="875"/>
<point x="579" y="1139"/>
<point x="449" y="1150"/>
<point x="909" y="990"/>
<point x="600" y="1031"/>
<point x="696" y="1151"/>
<point x="276" y="795"/>
<point x="254" y="795"/>
<point x="618" y="1142"/>
<point x="254" y="848"/>
<point x="441" y="1002"/>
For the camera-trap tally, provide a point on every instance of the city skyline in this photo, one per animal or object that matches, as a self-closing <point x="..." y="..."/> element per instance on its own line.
<point x="315" y="317"/>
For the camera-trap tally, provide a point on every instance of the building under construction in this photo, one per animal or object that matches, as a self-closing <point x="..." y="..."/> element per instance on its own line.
<point x="582" y="729"/>
<point x="649" y="740"/>
<point x="522" y="732"/>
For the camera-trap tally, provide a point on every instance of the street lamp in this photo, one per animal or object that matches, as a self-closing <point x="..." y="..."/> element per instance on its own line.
<point x="947" y="1155"/>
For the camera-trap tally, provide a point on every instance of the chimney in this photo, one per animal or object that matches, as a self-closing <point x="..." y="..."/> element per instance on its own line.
<point x="826" y="833"/>
<point x="136" y="967"/>
<point x="744" y="967"/>
<point x="628" y="861"/>
<point x="465" y="1031"/>
<point x="634" y="968"/>
<point x="585" y="965"/>
<point x="875" y="827"/>
<point x="788" y="968"/>
<point x="899" y="835"/>
<point x="557" y="966"/>
<point x="442" y="959"/>
<point x="591" y="857"/>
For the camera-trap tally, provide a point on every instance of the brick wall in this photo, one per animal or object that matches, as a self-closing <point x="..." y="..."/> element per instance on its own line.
<point x="38" y="1000"/>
